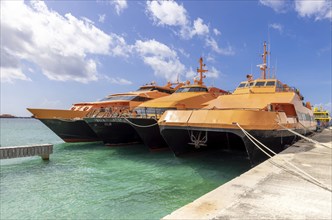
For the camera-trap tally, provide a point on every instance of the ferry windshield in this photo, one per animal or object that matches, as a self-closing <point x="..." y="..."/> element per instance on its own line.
<point x="260" y="83"/>
<point x="118" y="98"/>
<point x="145" y="89"/>
<point x="154" y="89"/>
<point x="270" y="83"/>
<point x="242" y="85"/>
<point x="126" y="98"/>
<point x="191" y="89"/>
<point x="151" y="111"/>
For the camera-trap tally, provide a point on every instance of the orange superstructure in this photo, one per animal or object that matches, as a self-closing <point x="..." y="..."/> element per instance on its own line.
<point x="188" y="96"/>
<point x="260" y="106"/>
<point x="69" y="124"/>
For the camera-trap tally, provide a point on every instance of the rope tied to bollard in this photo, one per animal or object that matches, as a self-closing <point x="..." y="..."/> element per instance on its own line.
<point x="304" y="137"/>
<point x="298" y="171"/>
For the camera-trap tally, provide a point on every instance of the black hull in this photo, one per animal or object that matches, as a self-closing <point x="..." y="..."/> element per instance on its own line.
<point x="181" y="140"/>
<point x="113" y="131"/>
<point x="150" y="135"/>
<point x="71" y="130"/>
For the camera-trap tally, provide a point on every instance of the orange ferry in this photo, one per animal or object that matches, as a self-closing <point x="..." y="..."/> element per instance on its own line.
<point x="189" y="96"/>
<point x="265" y="108"/>
<point x="70" y="126"/>
<point x="114" y="132"/>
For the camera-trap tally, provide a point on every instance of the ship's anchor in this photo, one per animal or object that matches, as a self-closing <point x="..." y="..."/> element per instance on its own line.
<point x="198" y="141"/>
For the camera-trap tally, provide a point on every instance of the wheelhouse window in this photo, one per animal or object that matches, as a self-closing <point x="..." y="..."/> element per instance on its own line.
<point x="118" y="98"/>
<point x="145" y="89"/>
<point x="279" y="86"/>
<point x="141" y="99"/>
<point x="191" y="89"/>
<point x="162" y="90"/>
<point x="270" y="83"/>
<point x="151" y="111"/>
<point x="260" y="84"/>
<point x="242" y="85"/>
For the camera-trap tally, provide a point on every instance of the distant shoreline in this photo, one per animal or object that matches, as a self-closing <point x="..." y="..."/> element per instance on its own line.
<point x="15" y="117"/>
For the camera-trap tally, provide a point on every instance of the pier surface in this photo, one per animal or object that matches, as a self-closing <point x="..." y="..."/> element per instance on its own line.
<point x="43" y="150"/>
<point x="273" y="190"/>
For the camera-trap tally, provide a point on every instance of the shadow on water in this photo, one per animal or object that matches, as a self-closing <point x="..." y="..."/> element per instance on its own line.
<point x="139" y="152"/>
<point x="203" y="163"/>
<point x="79" y="146"/>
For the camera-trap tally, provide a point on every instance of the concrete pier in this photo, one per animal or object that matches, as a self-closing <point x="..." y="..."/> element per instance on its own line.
<point x="273" y="190"/>
<point x="43" y="150"/>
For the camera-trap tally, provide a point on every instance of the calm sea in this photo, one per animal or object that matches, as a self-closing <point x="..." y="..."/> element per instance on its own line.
<point x="93" y="181"/>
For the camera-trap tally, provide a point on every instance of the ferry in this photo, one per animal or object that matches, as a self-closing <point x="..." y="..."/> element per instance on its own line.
<point x="322" y="117"/>
<point x="189" y="96"/>
<point x="69" y="124"/>
<point x="266" y="108"/>
<point x="106" y="122"/>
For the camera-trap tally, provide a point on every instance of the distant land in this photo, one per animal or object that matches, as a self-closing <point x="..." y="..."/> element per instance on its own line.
<point x="11" y="116"/>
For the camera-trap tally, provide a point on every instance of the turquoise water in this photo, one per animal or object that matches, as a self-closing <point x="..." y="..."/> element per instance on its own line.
<point x="93" y="181"/>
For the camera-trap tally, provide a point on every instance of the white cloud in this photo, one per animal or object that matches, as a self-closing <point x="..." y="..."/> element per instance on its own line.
<point x="118" y="80"/>
<point x="61" y="46"/>
<point x="216" y="32"/>
<point x="160" y="58"/>
<point x="172" y="14"/>
<point x="167" y="13"/>
<point x="119" y="5"/>
<point x="213" y="73"/>
<point x="154" y="48"/>
<point x="320" y="9"/>
<point x="184" y="53"/>
<point x="199" y="28"/>
<point x="324" y="50"/>
<point x="228" y="51"/>
<point x="50" y="104"/>
<point x="190" y="74"/>
<point x="9" y="74"/>
<point x="277" y="5"/>
<point x="210" y="58"/>
<point x="277" y="27"/>
<point x="101" y="18"/>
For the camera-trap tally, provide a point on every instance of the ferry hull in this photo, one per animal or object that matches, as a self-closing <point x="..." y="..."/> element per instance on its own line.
<point x="113" y="131"/>
<point x="71" y="130"/>
<point x="149" y="134"/>
<point x="181" y="140"/>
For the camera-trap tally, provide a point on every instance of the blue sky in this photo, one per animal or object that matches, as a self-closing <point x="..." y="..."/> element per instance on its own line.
<point x="56" y="53"/>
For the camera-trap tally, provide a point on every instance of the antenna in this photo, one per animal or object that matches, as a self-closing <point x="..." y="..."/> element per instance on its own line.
<point x="200" y="70"/>
<point x="275" y="69"/>
<point x="263" y="66"/>
<point x="269" y="49"/>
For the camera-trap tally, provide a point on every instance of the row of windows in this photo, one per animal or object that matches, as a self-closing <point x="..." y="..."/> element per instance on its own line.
<point x="152" y="111"/>
<point x="257" y="84"/>
<point x="155" y="89"/>
<point x="191" y="89"/>
<point x="126" y="98"/>
<point x="305" y="117"/>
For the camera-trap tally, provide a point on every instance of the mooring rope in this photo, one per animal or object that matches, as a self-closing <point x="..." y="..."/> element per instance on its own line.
<point x="140" y="126"/>
<point x="252" y="138"/>
<point x="304" y="137"/>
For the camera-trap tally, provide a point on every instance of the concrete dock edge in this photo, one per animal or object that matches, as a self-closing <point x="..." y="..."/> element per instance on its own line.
<point x="271" y="190"/>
